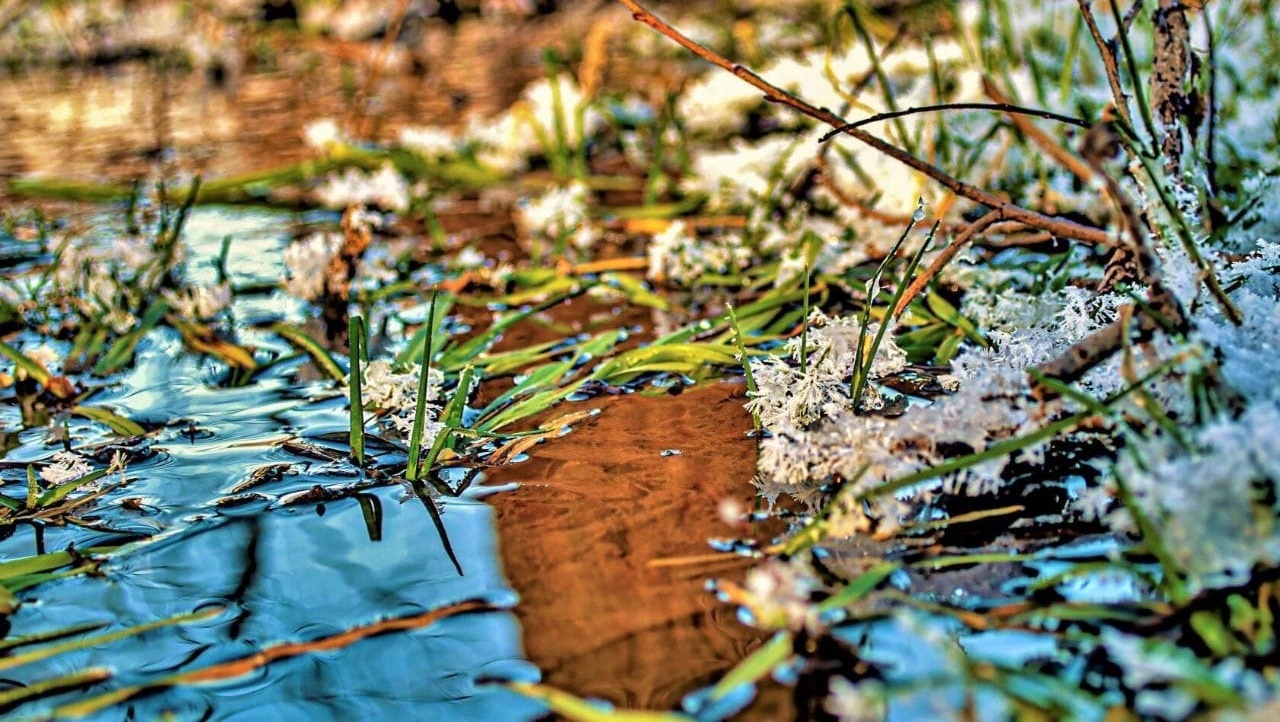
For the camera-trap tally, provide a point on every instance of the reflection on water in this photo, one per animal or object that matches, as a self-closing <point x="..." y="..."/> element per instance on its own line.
<point x="114" y="122"/>
<point x="593" y="510"/>
<point x="575" y="538"/>
<point x="293" y="575"/>
<point x="587" y="515"/>
<point x="280" y="574"/>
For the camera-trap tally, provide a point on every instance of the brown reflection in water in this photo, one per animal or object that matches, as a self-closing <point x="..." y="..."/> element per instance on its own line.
<point x="113" y="122"/>
<point x="594" y="508"/>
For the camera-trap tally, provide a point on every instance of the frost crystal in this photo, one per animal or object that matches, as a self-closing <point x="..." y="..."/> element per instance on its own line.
<point x="780" y="595"/>
<point x="319" y="134"/>
<point x="1212" y="502"/>
<point x="384" y="188"/>
<point x="558" y="217"/>
<point x="430" y="143"/>
<point x="307" y="261"/>
<point x="65" y="466"/>
<point x="851" y="702"/>
<point x="199" y="303"/>
<point x="394" y="396"/>
<point x="679" y="256"/>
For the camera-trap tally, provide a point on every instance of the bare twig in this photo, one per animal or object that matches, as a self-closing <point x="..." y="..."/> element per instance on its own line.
<point x="340" y="272"/>
<point x="921" y="281"/>
<point x="1108" y="52"/>
<point x="1003" y="107"/>
<point x="1058" y="226"/>
<point x="1055" y="150"/>
<point x="1092" y="350"/>
<point x="1131" y="63"/>
<point x="1175" y="106"/>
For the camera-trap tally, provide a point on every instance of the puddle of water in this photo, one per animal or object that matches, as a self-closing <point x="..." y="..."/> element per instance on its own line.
<point x="278" y="573"/>
<point x="574" y="540"/>
<point x="593" y="509"/>
<point x="114" y="122"/>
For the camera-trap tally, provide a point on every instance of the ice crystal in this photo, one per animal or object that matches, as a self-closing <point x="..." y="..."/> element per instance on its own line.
<point x="537" y="123"/>
<point x="1211" y="502"/>
<point x="780" y="595"/>
<point x="680" y="256"/>
<point x="384" y="188"/>
<point x="429" y="142"/>
<point x="307" y="262"/>
<point x="44" y="355"/>
<point x="558" y="217"/>
<point x="321" y="133"/>
<point x="393" y="395"/>
<point x="793" y="397"/>
<point x="65" y="466"/>
<point x="860" y="702"/>
<point x="199" y="303"/>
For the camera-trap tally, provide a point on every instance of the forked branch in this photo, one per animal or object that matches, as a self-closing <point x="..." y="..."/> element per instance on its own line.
<point x="1009" y="211"/>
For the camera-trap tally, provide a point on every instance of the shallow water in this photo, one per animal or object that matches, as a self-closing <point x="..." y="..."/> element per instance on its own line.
<point x="279" y="573"/>
<point x="560" y="557"/>
<point x="114" y="122"/>
<point x="595" y="510"/>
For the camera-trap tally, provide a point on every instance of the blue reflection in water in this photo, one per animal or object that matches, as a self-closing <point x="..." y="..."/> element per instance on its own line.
<point x="280" y="574"/>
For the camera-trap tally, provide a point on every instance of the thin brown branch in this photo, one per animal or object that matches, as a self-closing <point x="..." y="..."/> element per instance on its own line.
<point x="920" y="282"/>
<point x="1064" y="157"/>
<point x="1058" y="226"/>
<point x="1024" y="239"/>
<point x="1109" y="64"/>
<point x="1176" y="107"/>
<point x="1003" y="107"/>
<point x="1092" y="350"/>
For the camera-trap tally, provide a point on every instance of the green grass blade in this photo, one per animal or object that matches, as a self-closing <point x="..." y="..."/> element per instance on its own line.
<point x="756" y="666"/>
<point x="412" y="352"/>
<point x="117" y="423"/>
<point x="813" y="532"/>
<point x="121" y="352"/>
<point x="52" y="650"/>
<point x="19" y="359"/>
<point x="320" y="356"/>
<point x="46" y="687"/>
<point x="60" y="492"/>
<point x="15" y="569"/>
<point x="412" y="472"/>
<point x="752" y="389"/>
<point x="577" y="709"/>
<point x="355" y="346"/>
<point x="863" y="371"/>
<point x="860" y="587"/>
